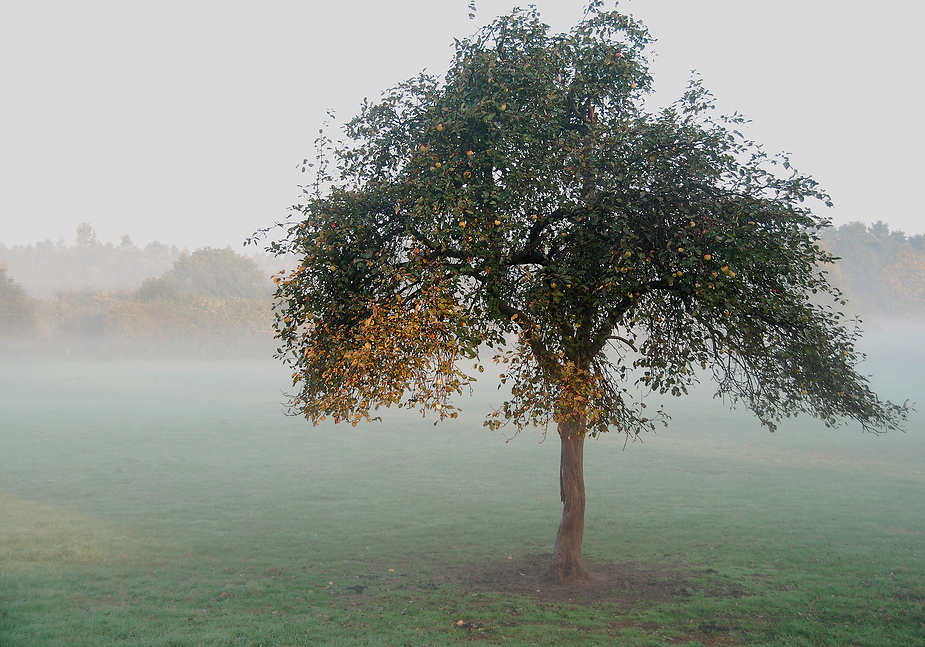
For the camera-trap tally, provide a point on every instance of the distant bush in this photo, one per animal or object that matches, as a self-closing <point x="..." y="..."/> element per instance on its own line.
<point x="17" y="309"/>
<point x="190" y="317"/>
<point x="158" y="290"/>
<point x="209" y="294"/>
<point x="121" y="300"/>
<point x="219" y="274"/>
<point x="82" y="312"/>
<point x="880" y="271"/>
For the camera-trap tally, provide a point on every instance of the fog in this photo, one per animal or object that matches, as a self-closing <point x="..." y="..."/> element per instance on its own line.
<point x="180" y="489"/>
<point x="147" y="464"/>
<point x="196" y="451"/>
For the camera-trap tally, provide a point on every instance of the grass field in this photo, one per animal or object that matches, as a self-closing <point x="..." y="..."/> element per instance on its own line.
<point x="172" y="503"/>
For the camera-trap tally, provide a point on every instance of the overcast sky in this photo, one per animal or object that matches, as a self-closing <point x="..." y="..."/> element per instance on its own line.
<point x="183" y="122"/>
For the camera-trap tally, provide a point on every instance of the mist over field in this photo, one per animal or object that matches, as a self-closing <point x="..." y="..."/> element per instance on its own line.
<point x="152" y="489"/>
<point x="174" y="500"/>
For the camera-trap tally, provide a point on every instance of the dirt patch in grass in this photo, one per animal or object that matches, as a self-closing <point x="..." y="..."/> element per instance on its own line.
<point x="626" y="584"/>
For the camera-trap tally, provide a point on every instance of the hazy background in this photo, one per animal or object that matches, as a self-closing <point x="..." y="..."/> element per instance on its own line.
<point x="183" y="122"/>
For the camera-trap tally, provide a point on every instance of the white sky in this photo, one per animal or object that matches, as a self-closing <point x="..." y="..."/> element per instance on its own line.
<point x="183" y="121"/>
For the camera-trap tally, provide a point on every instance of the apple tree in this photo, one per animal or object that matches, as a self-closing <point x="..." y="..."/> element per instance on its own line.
<point x="530" y="203"/>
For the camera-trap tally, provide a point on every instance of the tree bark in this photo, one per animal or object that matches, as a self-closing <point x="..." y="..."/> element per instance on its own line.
<point x="567" y="565"/>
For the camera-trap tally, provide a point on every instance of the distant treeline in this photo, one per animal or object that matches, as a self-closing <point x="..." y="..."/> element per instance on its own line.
<point x="881" y="272"/>
<point x="118" y="296"/>
<point x="47" y="268"/>
<point x="126" y="300"/>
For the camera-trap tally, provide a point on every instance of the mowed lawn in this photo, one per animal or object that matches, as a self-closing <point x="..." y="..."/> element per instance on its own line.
<point x="172" y="503"/>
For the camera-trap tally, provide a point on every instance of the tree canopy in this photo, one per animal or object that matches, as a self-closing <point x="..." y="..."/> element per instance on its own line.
<point x="529" y="202"/>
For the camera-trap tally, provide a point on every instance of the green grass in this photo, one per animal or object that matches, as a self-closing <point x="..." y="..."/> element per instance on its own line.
<point x="171" y="503"/>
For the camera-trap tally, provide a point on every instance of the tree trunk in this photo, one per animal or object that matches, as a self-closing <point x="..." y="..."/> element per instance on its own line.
<point x="567" y="565"/>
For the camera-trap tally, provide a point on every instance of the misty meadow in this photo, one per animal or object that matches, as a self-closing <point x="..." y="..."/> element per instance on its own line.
<point x="171" y="502"/>
<point x="148" y="498"/>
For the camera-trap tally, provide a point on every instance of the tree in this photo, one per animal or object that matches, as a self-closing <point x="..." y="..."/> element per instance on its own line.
<point x="17" y="310"/>
<point x="86" y="236"/>
<point x="882" y="270"/>
<point x="218" y="273"/>
<point x="529" y="203"/>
